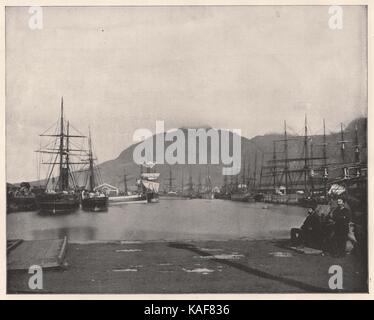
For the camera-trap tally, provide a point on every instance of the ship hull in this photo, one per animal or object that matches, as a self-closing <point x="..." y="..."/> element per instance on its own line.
<point x="57" y="202"/>
<point x="95" y="204"/>
<point x="208" y="196"/>
<point x="222" y="196"/>
<point x="21" y="204"/>
<point x="133" y="199"/>
<point x="168" y="197"/>
<point x="243" y="197"/>
<point x="258" y="197"/>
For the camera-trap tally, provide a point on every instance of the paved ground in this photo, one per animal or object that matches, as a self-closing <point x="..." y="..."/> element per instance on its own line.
<point x="240" y="266"/>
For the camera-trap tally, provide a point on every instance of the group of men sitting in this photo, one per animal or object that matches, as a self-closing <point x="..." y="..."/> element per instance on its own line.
<point x="333" y="232"/>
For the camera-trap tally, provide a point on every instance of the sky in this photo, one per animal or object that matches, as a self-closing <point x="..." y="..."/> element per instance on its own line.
<point x="120" y="69"/>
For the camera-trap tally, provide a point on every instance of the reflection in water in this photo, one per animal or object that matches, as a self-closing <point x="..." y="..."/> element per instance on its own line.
<point x="82" y="233"/>
<point x="167" y="220"/>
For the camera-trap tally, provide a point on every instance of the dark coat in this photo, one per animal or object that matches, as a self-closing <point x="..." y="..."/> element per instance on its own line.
<point x="341" y="217"/>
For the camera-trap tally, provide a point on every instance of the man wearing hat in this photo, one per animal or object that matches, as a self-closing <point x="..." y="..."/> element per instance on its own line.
<point x="341" y="217"/>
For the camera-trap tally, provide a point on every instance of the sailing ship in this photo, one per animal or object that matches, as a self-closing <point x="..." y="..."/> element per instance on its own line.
<point x="351" y="181"/>
<point x="224" y="192"/>
<point x="241" y="192"/>
<point x="171" y="193"/>
<point x="294" y="179"/>
<point x="61" y="195"/>
<point x="190" y="192"/>
<point x="149" y="183"/>
<point x="308" y="179"/>
<point x="93" y="199"/>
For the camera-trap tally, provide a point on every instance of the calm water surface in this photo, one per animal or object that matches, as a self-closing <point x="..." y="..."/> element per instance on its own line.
<point x="166" y="220"/>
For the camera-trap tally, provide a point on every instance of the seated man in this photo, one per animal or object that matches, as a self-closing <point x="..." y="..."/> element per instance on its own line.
<point x="309" y="234"/>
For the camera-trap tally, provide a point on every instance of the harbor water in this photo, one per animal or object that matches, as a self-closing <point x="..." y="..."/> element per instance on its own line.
<point x="196" y="219"/>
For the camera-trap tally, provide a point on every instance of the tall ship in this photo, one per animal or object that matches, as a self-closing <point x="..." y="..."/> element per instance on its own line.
<point x="312" y="177"/>
<point x="191" y="192"/>
<point x="171" y="192"/>
<point x="61" y="194"/>
<point x="149" y="183"/>
<point x="295" y="178"/>
<point x="92" y="198"/>
<point x="224" y="192"/>
<point x="242" y="190"/>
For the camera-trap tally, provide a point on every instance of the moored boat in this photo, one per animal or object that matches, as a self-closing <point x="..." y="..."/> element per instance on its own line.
<point x="128" y="199"/>
<point x="243" y="197"/>
<point x="95" y="202"/>
<point x="60" y="195"/>
<point x="55" y="202"/>
<point x="93" y="199"/>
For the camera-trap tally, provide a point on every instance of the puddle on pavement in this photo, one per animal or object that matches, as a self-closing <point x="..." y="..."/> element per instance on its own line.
<point x="280" y="254"/>
<point x="199" y="270"/>
<point x="130" y="242"/>
<point x="223" y="256"/>
<point x="128" y="250"/>
<point x="125" y="270"/>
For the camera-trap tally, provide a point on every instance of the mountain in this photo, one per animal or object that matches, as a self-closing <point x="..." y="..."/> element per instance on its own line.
<point x="112" y="171"/>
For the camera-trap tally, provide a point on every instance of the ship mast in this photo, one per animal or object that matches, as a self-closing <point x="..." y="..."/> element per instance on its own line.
<point x="342" y="151"/>
<point x="225" y="183"/>
<point x="60" y="180"/>
<point x="325" y="172"/>
<point x="91" y="162"/>
<point x="274" y="167"/>
<point x="306" y="156"/>
<point x="199" y="182"/>
<point x="62" y="152"/>
<point x="357" y="152"/>
<point x="249" y="173"/>
<point x="182" y="182"/>
<point x="190" y="183"/>
<point x="208" y="181"/>
<point x="255" y="171"/>
<point x="342" y="143"/>
<point x="285" y="157"/>
<point x="311" y="166"/>
<point x="125" y="182"/>
<point x="357" y="146"/>
<point x="170" y="179"/>
<point x="243" y="173"/>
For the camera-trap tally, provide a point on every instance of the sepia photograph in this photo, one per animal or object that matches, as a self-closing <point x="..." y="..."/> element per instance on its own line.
<point x="179" y="149"/>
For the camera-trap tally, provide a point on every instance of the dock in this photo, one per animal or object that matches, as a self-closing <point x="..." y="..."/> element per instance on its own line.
<point x="44" y="253"/>
<point x="234" y="266"/>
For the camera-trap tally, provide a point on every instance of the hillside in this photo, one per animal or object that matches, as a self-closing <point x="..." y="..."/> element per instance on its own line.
<point x="112" y="171"/>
